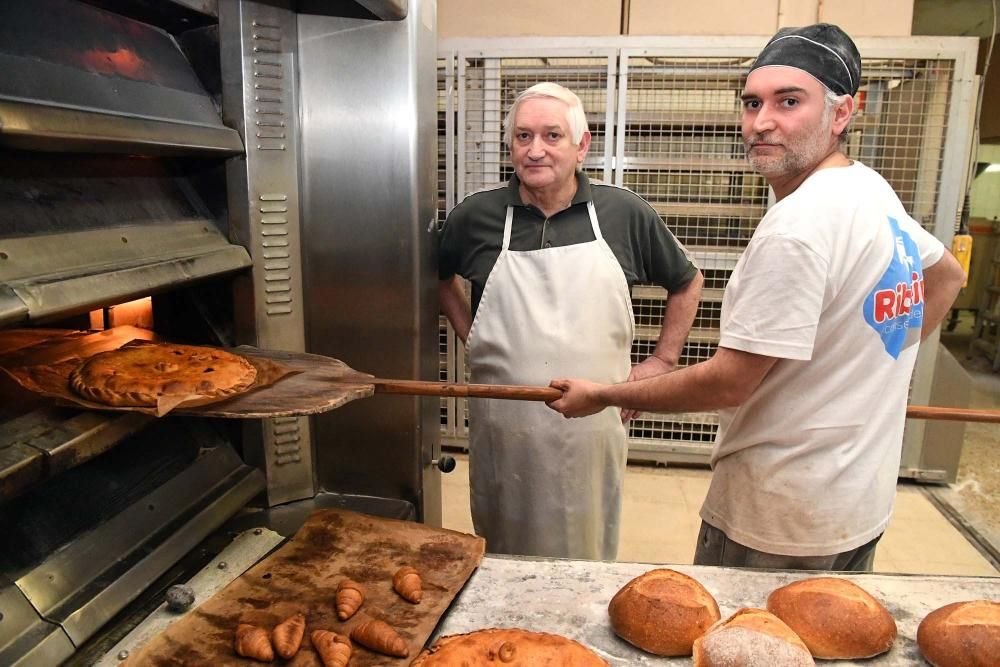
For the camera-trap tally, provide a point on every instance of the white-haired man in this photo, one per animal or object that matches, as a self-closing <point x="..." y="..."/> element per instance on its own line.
<point x="821" y="321"/>
<point x="551" y="257"/>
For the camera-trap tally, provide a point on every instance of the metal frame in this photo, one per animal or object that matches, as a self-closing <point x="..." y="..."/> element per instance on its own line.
<point x="258" y="43"/>
<point x="944" y="160"/>
<point x="71" y="272"/>
<point x="61" y="602"/>
<point x="367" y="174"/>
<point x="206" y="494"/>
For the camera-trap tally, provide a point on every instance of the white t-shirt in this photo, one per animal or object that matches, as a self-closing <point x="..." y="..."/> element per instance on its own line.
<point x="831" y="284"/>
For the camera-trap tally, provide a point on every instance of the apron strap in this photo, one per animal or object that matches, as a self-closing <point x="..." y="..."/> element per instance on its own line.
<point x="506" y="228"/>
<point x="508" y="223"/>
<point x="593" y="221"/>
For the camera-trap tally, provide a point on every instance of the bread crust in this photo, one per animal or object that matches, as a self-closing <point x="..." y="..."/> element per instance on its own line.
<point x="751" y="637"/>
<point x="961" y="634"/>
<point x="139" y="375"/>
<point x="663" y="612"/>
<point x="502" y="646"/>
<point x="836" y="618"/>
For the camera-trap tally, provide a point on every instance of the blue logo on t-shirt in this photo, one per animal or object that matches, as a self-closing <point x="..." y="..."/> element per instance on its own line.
<point x="895" y="306"/>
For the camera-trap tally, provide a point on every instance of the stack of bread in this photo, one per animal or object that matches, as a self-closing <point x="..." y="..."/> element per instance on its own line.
<point x="670" y="614"/>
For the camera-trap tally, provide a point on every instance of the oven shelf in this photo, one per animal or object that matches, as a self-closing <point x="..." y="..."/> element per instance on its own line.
<point x="87" y="80"/>
<point x="53" y="275"/>
<point x="387" y="10"/>
<point x="30" y="126"/>
<point x="45" y="442"/>
<point x="140" y="508"/>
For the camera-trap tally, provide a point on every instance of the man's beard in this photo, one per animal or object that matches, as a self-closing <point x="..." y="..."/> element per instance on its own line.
<point x="799" y="153"/>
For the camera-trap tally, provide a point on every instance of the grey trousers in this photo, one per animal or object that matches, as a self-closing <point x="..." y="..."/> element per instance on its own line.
<point x="715" y="548"/>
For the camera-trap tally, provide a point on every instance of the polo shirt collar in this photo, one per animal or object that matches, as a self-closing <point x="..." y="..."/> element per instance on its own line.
<point x="583" y="193"/>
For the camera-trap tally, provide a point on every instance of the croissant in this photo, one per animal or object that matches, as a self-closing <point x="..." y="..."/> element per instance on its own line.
<point x="378" y="636"/>
<point x="407" y="583"/>
<point x="287" y="635"/>
<point x="348" y="598"/>
<point x="334" y="650"/>
<point x="253" y="642"/>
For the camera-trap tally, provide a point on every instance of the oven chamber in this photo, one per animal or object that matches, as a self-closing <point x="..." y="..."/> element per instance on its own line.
<point x="228" y="172"/>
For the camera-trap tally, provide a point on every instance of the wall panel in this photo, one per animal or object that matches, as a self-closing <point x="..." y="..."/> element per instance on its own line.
<point x="886" y="18"/>
<point x="525" y="18"/>
<point x="708" y="17"/>
<point x="522" y="18"/>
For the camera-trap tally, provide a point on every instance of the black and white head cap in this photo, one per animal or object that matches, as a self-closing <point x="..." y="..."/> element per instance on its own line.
<point x="822" y="50"/>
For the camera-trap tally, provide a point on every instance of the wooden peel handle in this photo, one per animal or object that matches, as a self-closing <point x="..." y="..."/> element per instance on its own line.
<point x="955" y="414"/>
<point x="420" y="388"/>
<point x="526" y="393"/>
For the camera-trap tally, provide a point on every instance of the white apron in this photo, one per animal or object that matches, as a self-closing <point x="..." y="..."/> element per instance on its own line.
<point x="540" y="484"/>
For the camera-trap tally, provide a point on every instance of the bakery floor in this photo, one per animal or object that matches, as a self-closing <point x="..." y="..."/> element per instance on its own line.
<point x="920" y="539"/>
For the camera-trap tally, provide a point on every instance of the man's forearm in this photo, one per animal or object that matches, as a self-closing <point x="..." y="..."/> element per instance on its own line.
<point x="679" y="391"/>
<point x="942" y="283"/>
<point x="678" y="315"/>
<point x="726" y="380"/>
<point x="455" y="306"/>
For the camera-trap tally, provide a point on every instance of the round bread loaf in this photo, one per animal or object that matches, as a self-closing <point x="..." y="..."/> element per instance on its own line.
<point x="962" y="634"/>
<point x="501" y="646"/>
<point x="140" y="374"/>
<point x="751" y="637"/>
<point x="836" y="618"/>
<point x="663" y="612"/>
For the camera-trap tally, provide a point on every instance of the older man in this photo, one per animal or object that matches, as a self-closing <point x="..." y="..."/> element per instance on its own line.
<point x="821" y="321"/>
<point x="551" y="256"/>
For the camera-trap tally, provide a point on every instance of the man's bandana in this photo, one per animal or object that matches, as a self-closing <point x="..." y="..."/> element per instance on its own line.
<point x="822" y="50"/>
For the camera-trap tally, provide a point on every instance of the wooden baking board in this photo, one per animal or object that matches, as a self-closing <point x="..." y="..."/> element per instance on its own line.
<point x="317" y="386"/>
<point x="27" y="347"/>
<point x="289" y="383"/>
<point x="302" y="576"/>
<point x="12" y="340"/>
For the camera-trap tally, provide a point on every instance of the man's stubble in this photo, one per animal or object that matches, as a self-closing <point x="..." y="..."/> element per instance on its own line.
<point x="800" y="154"/>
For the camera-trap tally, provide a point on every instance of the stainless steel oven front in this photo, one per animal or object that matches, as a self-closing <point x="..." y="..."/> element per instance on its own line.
<point x="221" y="173"/>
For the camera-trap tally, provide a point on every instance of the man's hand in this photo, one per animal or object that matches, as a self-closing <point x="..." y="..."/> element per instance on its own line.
<point x="650" y="366"/>
<point x="579" y="398"/>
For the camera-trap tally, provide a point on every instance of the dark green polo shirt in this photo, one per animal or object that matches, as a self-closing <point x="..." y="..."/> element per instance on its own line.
<point x="648" y="253"/>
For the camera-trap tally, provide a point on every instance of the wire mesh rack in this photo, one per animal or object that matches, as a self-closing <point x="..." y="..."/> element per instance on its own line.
<point x="665" y="120"/>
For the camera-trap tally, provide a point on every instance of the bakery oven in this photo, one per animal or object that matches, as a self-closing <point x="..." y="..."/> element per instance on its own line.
<point x="216" y="172"/>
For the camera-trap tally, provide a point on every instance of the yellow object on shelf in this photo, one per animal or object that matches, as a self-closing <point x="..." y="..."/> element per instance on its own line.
<point x="961" y="248"/>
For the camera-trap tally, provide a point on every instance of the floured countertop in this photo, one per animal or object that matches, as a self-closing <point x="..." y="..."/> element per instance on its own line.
<point x="571" y="598"/>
